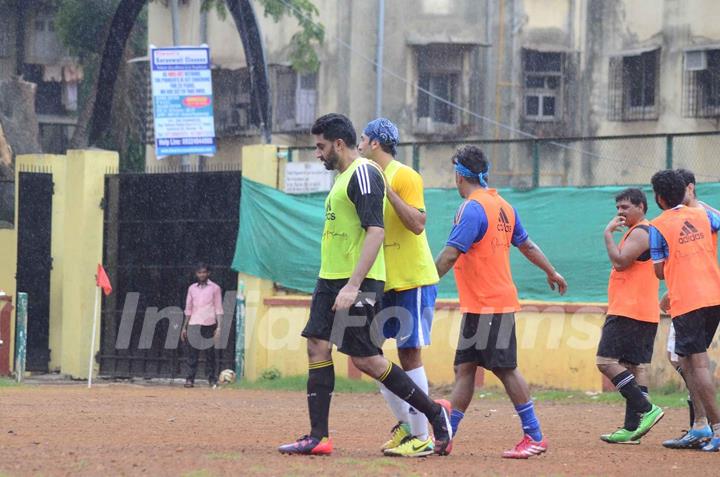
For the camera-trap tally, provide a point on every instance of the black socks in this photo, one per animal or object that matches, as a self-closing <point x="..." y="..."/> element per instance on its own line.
<point x="636" y="404"/>
<point x="320" y="386"/>
<point x="397" y="381"/>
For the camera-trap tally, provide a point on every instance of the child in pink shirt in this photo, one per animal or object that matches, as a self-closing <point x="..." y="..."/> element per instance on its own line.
<point x="203" y="314"/>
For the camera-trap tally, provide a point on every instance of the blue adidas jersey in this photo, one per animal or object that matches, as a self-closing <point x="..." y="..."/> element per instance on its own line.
<point x="471" y="224"/>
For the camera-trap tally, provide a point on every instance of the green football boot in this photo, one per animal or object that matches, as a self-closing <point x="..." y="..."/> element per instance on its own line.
<point x="648" y="420"/>
<point x="397" y="436"/>
<point x="412" y="447"/>
<point x="621" y="436"/>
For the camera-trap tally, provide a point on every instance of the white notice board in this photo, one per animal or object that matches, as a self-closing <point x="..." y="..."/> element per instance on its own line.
<point x="307" y="177"/>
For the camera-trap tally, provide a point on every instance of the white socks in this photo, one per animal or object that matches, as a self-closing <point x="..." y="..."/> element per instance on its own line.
<point x="397" y="405"/>
<point x="417" y="420"/>
<point x="402" y="410"/>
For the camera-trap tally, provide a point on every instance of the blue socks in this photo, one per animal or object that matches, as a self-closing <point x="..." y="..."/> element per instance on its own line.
<point x="455" y="418"/>
<point x="530" y="423"/>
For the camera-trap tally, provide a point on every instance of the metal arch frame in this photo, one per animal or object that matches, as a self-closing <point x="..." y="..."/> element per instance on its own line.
<point x="122" y="24"/>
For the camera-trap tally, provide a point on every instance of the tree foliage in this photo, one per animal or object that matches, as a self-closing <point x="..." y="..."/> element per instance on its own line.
<point x="304" y="44"/>
<point x="82" y="23"/>
<point x="82" y="26"/>
<point x="217" y="5"/>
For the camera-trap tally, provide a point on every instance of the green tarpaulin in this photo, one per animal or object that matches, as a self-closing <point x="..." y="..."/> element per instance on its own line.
<point x="279" y="237"/>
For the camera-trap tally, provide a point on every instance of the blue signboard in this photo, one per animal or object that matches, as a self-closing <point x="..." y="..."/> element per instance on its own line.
<point x="182" y="101"/>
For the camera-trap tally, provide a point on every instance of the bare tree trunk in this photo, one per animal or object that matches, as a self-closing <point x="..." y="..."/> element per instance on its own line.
<point x="81" y="135"/>
<point x="243" y="14"/>
<point x="94" y="119"/>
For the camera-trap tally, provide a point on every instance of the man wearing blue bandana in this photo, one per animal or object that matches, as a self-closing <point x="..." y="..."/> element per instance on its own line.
<point x="478" y="248"/>
<point x="410" y="288"/>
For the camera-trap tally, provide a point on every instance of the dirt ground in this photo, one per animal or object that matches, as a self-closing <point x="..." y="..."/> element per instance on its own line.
<point x="125" y="429"/>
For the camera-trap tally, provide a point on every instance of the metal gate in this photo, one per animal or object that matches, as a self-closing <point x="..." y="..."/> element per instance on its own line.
<point x="157" y="227"/>
<point x="35" y="191"/>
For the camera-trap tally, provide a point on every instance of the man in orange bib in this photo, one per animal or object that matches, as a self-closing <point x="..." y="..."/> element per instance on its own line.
<point x="699" y="431"/>
<point x="479" y="249"/>
<point x="626" y="344"/>
<point x="681" y="247"/>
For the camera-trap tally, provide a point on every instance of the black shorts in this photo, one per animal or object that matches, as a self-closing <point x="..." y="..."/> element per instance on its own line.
<point x="488" y="341"/>
<point x="627" y="340"/>
<point x="695" y="330"/>
<point x="352" y="334"/>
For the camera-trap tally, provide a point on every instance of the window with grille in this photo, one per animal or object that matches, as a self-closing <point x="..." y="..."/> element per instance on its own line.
<point x="45" y="46"/>
<point x="701" y="83"/>
<point x="633" y="86"/>
<point x="234" y="111"/>
<point x="306" y="100"/>
<point x="440" y="70"/>
<point x="295" y="99"/>
<point x="544" y="80"/>
<point x="441" y="85"/>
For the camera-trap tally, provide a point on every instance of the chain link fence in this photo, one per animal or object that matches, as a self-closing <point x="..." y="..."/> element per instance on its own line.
<point x="560" y="162"/>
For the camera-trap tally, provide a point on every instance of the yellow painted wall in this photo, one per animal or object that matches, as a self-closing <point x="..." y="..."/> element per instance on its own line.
<point x="76" y="248"/>
<point x="260" y="163"/>
<point x="82" y="251"/>
<point x="8" y="259"/>
<point x="555" y="349"/>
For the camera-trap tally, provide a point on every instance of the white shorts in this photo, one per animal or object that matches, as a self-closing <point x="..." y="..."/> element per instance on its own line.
<point x="671" y="343"/>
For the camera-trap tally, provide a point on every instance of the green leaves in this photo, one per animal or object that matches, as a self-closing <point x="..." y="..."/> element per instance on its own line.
<point x="81" y="23"/>
<point x="303" y="48"/>
<point x="217" y="5"/>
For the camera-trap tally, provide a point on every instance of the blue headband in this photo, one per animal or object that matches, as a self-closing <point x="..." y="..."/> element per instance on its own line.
<point x="482" y="177"/>
<point x="383" y="131"/>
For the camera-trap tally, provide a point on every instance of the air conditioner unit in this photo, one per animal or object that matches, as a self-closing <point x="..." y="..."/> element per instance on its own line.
<point x="696" y="60"/>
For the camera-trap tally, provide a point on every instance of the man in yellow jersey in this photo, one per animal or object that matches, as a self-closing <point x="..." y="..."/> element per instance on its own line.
<point x="349" y="290"/>
<point x="411" y="285"/>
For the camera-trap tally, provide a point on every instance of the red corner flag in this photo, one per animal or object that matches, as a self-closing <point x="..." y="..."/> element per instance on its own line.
<point x="103" y="281"/>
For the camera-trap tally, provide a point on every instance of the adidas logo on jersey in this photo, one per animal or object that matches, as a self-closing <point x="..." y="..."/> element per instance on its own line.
<point x="689" y="233"/>
<point x="329" y="214"/>
<point x="503" y="222"/>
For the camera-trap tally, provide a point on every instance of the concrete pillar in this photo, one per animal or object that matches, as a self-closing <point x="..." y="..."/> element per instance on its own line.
<point x="8" y="265"/>
<point x="260" y="163"/>
<point x="81" y="251"/>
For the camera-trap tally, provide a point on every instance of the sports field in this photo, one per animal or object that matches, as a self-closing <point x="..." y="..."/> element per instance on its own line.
<point x="124" y="429"/>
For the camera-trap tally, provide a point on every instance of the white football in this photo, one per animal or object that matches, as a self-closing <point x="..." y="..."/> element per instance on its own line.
<point x="227" y="376"/>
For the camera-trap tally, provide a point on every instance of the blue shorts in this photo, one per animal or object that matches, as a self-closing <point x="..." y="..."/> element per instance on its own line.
<point x="407" y="315"/>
